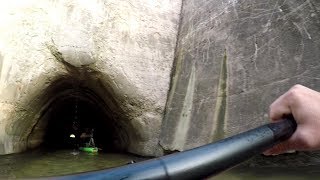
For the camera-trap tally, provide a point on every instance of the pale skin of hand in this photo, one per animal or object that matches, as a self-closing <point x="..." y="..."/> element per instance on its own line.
<point x="304" y="104"/>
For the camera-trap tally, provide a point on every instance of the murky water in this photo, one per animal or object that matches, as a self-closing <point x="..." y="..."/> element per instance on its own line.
<point x="60" y="162"/>
<point x="250" y="173"/>
<point x="41" y="163"/>
<point x="298" y="166"/>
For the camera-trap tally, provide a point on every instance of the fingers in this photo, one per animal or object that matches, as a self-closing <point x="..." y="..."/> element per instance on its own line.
<point x="278" y="149"/>
<point x="279" y="108"/>
<point x="285" y="104"/>
<point x="283" y="147"/>
<point x="298" y="141"/>
<point x="304" y="104"/>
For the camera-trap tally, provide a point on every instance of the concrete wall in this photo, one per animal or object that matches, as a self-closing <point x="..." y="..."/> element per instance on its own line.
<point x="232" y="60"/>
<point x="129" y="43"/>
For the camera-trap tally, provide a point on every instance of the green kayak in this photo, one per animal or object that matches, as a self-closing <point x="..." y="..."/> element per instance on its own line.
<point x="89" y="149"/>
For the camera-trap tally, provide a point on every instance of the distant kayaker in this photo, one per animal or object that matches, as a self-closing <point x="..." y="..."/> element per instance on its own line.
<point x="87" y="137"/>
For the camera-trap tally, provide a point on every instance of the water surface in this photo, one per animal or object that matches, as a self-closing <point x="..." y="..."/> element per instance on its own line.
<point x="41" y="163"/>
<point x="296" y="166"/>
<point x="60" y="162"/>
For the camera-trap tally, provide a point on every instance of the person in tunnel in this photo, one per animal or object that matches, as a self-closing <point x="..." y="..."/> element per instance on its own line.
<point x="304" y="104"/>
<point x="86" y="138"/>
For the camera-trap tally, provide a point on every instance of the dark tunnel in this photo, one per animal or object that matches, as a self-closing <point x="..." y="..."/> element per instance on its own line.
<point x="75" y="115"/>
<point x="76" y="110"/>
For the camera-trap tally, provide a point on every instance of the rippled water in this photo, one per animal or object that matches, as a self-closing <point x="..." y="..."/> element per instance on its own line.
<point x="250" y="173"/>
<point x="298" y="166"/>
<point x="43" y="164"/>
<point x="60" y="162"/>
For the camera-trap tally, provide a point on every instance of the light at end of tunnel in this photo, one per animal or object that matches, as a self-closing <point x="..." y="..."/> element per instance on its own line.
<point x="72" y="136"/>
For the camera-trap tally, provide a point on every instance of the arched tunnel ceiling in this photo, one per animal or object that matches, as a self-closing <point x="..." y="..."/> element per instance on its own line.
<point x="83" y="108"/>
<point x="126" y="46"/>
<point x="66" y="102"/>
<point x="98" y="107"/>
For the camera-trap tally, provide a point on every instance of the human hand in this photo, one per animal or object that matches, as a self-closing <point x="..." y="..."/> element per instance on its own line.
<point x="304" y="104"/>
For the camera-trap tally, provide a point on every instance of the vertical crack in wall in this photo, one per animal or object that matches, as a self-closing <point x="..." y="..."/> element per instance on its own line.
<point x="221" y="101"/>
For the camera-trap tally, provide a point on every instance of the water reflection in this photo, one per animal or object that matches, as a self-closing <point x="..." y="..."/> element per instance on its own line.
<point x="298" y="166"/>
<point x="43" y="163"/>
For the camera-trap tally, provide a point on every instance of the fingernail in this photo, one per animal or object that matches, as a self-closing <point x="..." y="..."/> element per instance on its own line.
<point x="267" y="152"/>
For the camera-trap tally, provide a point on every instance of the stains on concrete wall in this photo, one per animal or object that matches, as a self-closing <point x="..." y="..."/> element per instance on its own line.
<point x="220" y="110"/>
<point x="267" y="46"/>
<point x="183" y="124"/>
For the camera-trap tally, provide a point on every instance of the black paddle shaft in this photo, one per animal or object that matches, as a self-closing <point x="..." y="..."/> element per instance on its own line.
<point x="203" y="161"/>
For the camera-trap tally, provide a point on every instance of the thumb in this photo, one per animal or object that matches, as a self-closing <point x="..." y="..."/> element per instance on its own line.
<point x="283" y="147"/>
<point x="279" y="149"/>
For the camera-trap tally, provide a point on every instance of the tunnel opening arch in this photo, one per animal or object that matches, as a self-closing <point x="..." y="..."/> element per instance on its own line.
<point x="50" y="125"/>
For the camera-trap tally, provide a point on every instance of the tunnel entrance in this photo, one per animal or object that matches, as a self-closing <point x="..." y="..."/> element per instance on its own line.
<point x="74" y="116"/>
<point x="74" y="110"/>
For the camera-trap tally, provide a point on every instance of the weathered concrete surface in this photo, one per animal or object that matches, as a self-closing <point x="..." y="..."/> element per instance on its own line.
<point x="232" y="60"/>
<point x="129" y="43"/>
